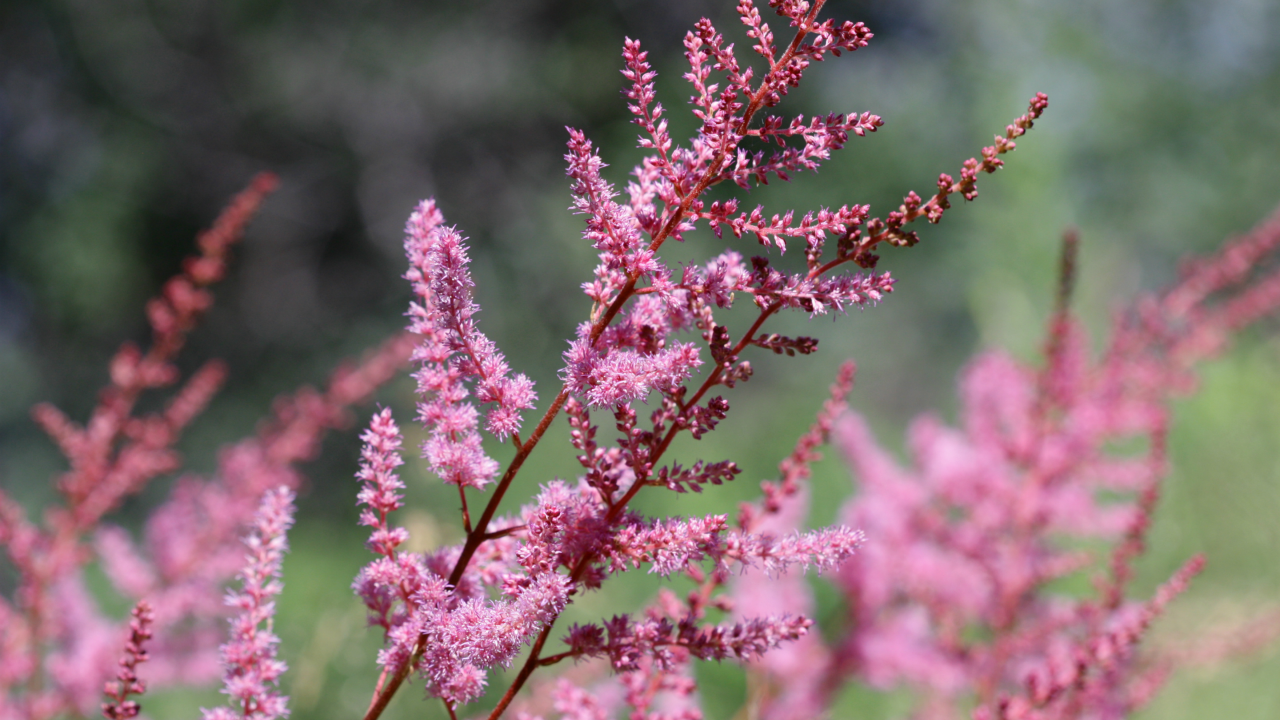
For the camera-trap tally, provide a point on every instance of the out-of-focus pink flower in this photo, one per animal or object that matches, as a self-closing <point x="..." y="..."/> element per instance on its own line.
<point x="250" y="666"/>
<point x="127" y="682"/>
<point x="951" y="594"/>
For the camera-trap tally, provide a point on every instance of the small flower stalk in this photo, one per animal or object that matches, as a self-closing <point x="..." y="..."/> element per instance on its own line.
<point x="251" y="670"/>
<point x="127" y="681"/>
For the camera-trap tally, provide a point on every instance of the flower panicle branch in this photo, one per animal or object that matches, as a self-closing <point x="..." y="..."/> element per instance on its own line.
<point x="452" y="350"/>
<point x="115" y="454"/>
<point x="626" y="642"/>
<point x="251" y="669"/>
<point x="127" y="681"/>
<point x="890" y="228"/>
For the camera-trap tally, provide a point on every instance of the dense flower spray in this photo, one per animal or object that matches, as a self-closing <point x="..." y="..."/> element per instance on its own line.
<point x="454" y="613"/>
<point x="944" y="567"/>
<point x="251" y="670"/>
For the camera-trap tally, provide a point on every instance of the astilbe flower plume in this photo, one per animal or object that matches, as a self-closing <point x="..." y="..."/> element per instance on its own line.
<point x="127" y="681"/>
<point x="454" y="350"/>
<point x="251" y="669"/>
<point x="451" y="614"/>
<point x="112" y="457"/>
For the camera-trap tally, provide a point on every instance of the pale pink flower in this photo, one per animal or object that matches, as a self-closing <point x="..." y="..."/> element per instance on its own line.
<point x="452" y="351"/>
<point x="251" y="668"/>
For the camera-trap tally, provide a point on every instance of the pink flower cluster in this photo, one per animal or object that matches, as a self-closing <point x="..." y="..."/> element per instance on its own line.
<point x="453" y="349"/>
<point x="251" y="669"/>
<point x="945" y="567"/>
<point x="453" y="613"/>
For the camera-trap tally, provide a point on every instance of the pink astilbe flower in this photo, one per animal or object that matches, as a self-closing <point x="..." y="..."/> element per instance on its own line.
<point x="381" y="490"/>
<point x="464" y="609"/>
<point x="946" y="565"/>
<point x="251" y="669"/>
<point x="127" y="682"/>
<point x="57" y="645"/>
<point x="452" y="350"/>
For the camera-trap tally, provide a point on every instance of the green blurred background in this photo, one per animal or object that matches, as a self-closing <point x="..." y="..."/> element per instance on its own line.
<point x="125" y="126"/>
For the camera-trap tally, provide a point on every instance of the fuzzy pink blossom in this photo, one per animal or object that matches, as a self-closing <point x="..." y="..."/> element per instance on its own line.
<point x="127" y="682"/>
<point x="622" y="375"/>
<point x="251" y="668"/>
<point x="453" y="350"/>
<point x="670" y="545"/>
<point x="464" y="641"/>
<point x="381" y="488"/>
<point x="471" y="606"/>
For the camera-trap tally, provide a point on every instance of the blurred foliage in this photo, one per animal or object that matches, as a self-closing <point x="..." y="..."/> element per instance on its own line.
<point x="125" y="125"/>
